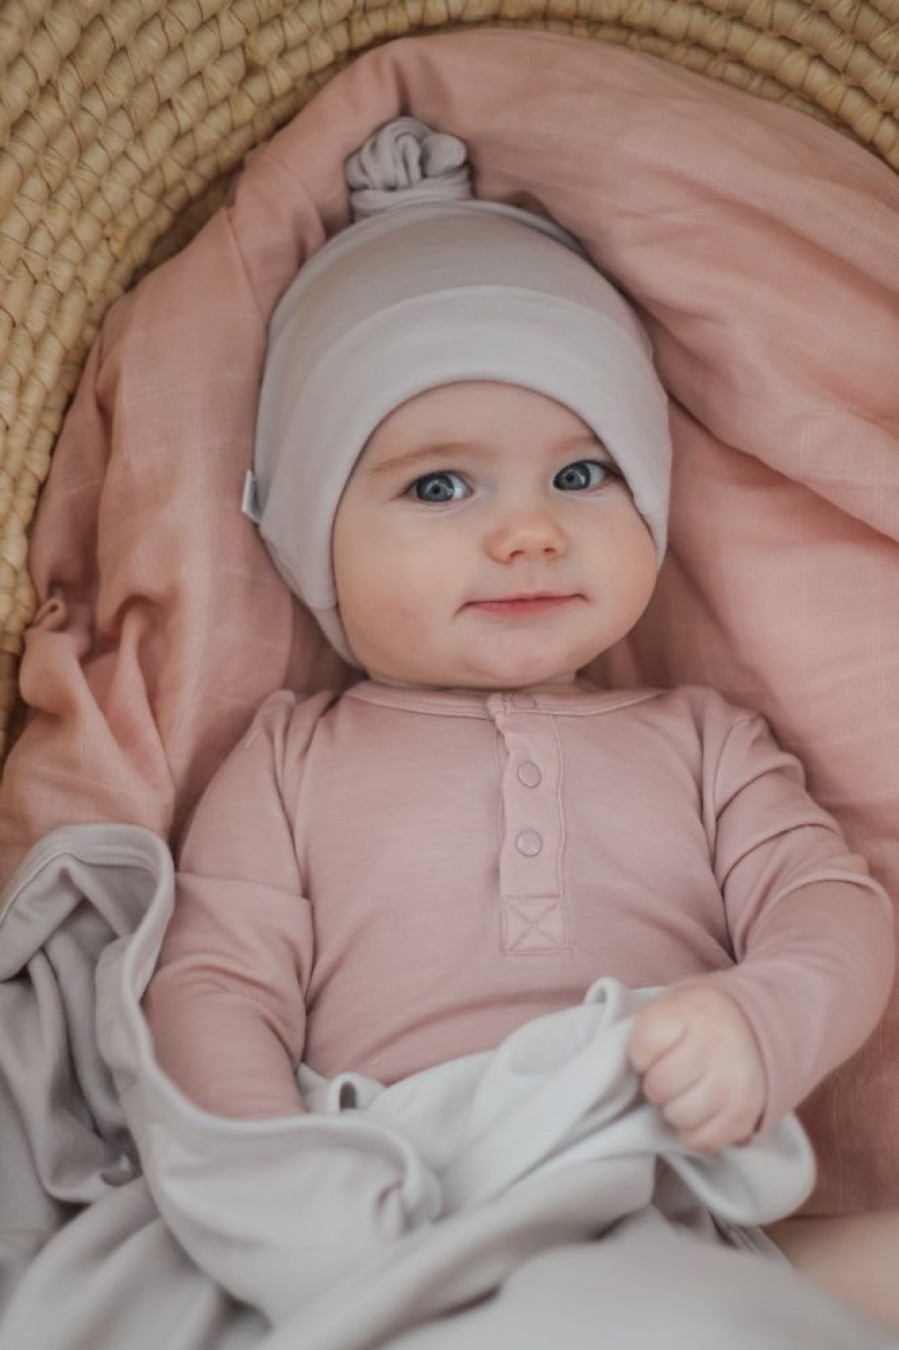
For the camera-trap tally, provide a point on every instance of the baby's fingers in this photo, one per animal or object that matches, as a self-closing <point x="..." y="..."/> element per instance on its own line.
<point x="656" y="1031"/>
<point x="717" y="1132"/>
<point x="674" y="1073"/>
<point x="704" y="1124"/>
<point x="693" y="1110"/>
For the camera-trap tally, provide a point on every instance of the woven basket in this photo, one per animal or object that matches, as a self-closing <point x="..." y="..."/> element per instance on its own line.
<point x="121" y="121"/>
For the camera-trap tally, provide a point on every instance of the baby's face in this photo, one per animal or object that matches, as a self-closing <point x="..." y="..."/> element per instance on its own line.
<point x="485" y="540"/>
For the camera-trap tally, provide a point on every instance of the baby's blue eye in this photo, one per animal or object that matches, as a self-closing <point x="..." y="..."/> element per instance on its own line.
<point x="584" y="473"/>
<point x="439" y="487"/>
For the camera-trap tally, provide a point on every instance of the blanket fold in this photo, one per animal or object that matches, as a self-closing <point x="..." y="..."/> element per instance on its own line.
<point x="65" y="1141"/>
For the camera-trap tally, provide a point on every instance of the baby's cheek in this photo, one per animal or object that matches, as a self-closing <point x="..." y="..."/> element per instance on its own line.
<point x="396" y="622"/>
<point x="409" y="593"/>
<point x="407" y="621"/>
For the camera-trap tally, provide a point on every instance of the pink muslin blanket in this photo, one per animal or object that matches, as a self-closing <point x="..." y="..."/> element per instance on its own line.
<point x="763" y="252"/>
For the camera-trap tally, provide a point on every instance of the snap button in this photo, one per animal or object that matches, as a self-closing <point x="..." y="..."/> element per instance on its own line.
<point x="523" y="701"/>
<point x="529" y="843"/>
<point x="528" y="773"/>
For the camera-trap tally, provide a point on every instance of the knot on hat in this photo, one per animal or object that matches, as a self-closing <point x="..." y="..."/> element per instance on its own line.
<point x="406" y="163"/>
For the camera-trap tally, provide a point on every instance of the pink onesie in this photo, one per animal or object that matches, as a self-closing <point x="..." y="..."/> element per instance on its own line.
<point x="386" y="879"/>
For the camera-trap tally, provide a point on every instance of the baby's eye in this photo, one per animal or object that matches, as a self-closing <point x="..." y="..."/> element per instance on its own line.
<point x="439" y="487"/>
<point x="584" y="473"/>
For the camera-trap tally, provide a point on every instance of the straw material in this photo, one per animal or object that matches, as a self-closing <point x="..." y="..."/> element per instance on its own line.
<point x="120" y="122"/>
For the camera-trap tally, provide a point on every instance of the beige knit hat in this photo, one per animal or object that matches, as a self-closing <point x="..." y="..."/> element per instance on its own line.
<point x="427" y="288"/>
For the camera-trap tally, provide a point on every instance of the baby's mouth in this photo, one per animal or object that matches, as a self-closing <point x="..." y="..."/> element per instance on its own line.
<point x="507" y="606"/>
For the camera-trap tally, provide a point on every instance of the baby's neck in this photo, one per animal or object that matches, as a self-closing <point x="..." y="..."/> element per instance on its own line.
<point x="562" y="685"/>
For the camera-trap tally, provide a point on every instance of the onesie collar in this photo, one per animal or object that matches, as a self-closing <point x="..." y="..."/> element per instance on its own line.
<point x="578" y="700"/>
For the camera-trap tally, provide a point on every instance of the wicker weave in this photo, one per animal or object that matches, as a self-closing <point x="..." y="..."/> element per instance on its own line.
<point x="119" y="123"/>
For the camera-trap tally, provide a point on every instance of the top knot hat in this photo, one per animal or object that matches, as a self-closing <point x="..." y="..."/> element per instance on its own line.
<point x="429" y="287"/>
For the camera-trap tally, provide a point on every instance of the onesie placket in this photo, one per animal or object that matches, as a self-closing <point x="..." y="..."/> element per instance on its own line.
<point x="533" y="835"/>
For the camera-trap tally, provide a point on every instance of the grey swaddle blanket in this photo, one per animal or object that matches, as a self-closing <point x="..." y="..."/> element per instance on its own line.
<point x="523" y="1197"/>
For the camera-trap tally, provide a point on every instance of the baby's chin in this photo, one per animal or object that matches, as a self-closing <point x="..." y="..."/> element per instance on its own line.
<point x="505" y="669"/>
<point x="480" y="676"/>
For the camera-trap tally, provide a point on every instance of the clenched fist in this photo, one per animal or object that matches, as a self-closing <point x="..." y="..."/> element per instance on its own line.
<point x="699" y="1063"/>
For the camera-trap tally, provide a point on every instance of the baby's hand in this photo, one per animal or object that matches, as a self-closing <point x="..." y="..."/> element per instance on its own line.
<point x="699" y="1063"/>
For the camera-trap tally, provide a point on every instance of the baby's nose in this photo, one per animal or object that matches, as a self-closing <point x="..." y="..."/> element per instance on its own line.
<point x="528" y="533"/>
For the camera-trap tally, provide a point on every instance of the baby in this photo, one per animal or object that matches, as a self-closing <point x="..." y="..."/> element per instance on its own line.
<point x="462" y="469"/>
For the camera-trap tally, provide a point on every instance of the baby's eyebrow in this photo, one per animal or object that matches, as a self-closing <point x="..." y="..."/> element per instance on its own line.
<point x="424" y="454"/>
<point x="449" y="449"/>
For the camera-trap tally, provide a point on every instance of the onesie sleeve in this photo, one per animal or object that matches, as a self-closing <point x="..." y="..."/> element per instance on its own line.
<point x="812" y="932"/>
<point x="226" y="1004"/>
